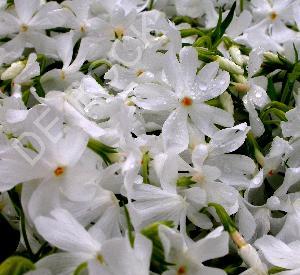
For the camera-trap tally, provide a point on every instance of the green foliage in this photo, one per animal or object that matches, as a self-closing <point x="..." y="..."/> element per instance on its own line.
<point x="221" y="27"/>
<point x="227" y="222"/>
<point x="102" y="150"/>
<point x="145" y="167"/>
<point x="158" y="263"/>
<point x="16" y="265"/>
<point x="185" y="181"/>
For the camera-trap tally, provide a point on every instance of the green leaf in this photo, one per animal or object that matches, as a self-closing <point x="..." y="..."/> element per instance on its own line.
<point x="158" y="263"/>
<point x="10" y="3"/>
<point x="81" y="269"/>
<point x="151" y="4"/>
<point x="227" y="222"/>
<point x="94" y="65"/>
<point x="38" y="87"/>
<point x="185" y="181"/>
<point x="296" y="53"/>
<point x="129" y="226"/>
<point x="102" y="150"/>
<point x="145" y="167"/>
<point x="222" y="26"/>
<point x="43" y="62"/>
<point x="185" y="19"/>
<point x="190" y="32"/>
<point x="203" y="41"/>
<point x="276" y="269"/>
<point x="25" y="96"/>
<point x="16" y="265"/>
<point x="271" y="89"/>
<point x="289" y="83"/>
<point x="15" y="199"/>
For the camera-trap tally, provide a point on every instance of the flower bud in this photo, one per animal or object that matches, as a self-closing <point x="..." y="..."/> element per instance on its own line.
<point x="272" y="57"/>
<point x="227" y="102"/>
<point x="14" y="69"/>
<point x="236" y="55"/>
<point x="259" y="157"/>
<point x="251" y="259"/>
<point x="229" y="66"/>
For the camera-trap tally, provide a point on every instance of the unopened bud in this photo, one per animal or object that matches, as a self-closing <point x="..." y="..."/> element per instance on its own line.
<point x="251" y="259"/>
<point x="242" y="88"/>
<point x="227" y="102"/>
<point x="238" y="239"/>
<point x="259" y="157"/>
<point x="229" y="66"/>
<point x="236" y="55"/>
<point x="14" y="69"/>
<point x="272" y="57"/>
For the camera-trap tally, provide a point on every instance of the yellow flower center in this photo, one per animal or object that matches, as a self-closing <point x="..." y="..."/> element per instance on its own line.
<point x="82" y="28"/>
<point x="62" y="75"/>
<point x="119" y="32"/>
<point x="139" y="73"/>
<point x="100" y="259"/>
<point x="273" y="15"/>
<point x="23" y="28"/>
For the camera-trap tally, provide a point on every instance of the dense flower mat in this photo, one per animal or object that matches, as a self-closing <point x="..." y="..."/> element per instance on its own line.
<point x="150" y="137"/>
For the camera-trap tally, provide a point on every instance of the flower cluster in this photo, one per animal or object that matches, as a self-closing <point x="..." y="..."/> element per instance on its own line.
<point x="150" y="137"/>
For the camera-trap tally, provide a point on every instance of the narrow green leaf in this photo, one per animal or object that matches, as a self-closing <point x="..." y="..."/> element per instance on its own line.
<point x="104" y="151"/>
<point x="16" y="265"/>
<point x="185" y="181"/>
<point x="25" y="96"/>
<point x="81" y="269"/>
<point x="222" y="26"/>
<point x="129" y="226"/>
<point x="271" y="89"/>
<point x="190" y="32"/>
<point x="145" y="167"/>
<point x="227" y="222"/>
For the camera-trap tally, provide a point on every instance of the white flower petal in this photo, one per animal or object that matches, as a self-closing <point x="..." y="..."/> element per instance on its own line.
<point x="175" y="133"/>
<point x="66" y="233"/>
<point x="26" y="9"/>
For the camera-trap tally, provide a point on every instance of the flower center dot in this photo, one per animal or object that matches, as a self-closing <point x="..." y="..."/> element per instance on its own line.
<point x="139" y="73"/>
<point x="23" y="28"/>
<point x="186" y="101"/>
<point x="62" y="75"/>
<point x="181" y="270"/>
<point x="82" y="28"/>
<point x="59" y="171"/>
<point x="271" y="173"/>
<point x="273" y="15"/>
<point x="119" y="32"/>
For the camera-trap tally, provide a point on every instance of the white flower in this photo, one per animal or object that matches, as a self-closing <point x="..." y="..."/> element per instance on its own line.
<point x="111" y="255"/>
<point x="45" y="154"/>
<point x="280" y="254"/>
<point x="188" y="96"/>
<point x="188" y="257"/>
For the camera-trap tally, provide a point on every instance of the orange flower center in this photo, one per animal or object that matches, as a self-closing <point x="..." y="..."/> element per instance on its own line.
<point x="271" y="173"/>
<point x="59" y="171"/>
<point x="181" y="270"/>
<point x="186" y="101"/>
